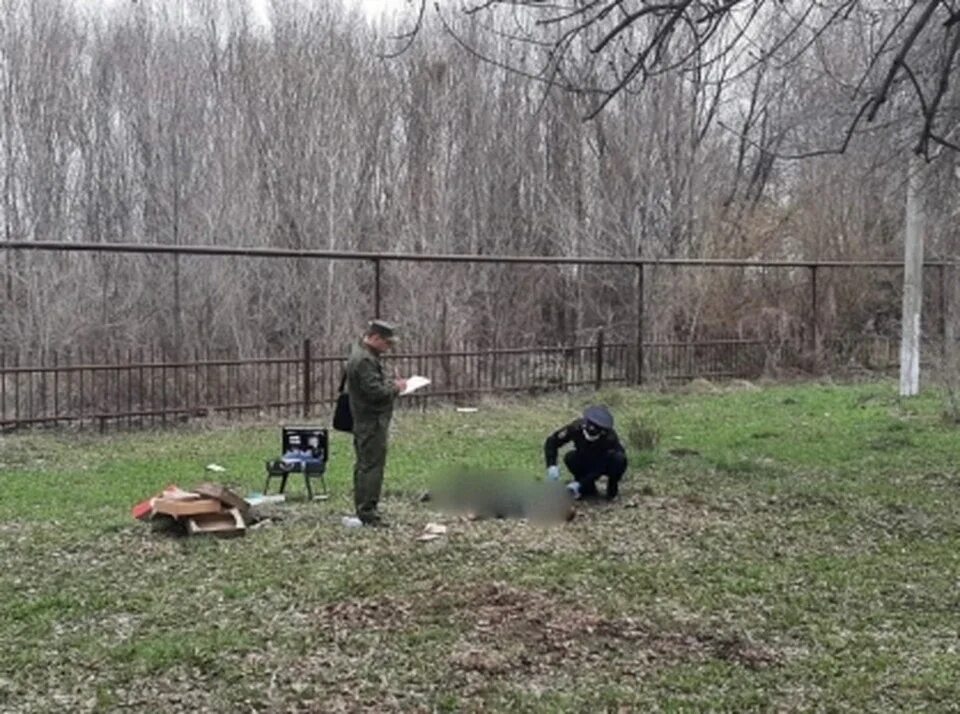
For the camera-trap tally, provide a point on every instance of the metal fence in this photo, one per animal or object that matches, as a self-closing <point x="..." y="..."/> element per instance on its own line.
<point x="143" y="388"/>
<point x="639" y="265"/>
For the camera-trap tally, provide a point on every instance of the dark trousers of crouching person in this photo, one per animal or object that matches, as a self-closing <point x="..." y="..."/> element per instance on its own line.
<point x="586" y="468"/>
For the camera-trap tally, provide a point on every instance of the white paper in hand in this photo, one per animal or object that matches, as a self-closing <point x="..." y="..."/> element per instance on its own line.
<point x="414" y="383"/>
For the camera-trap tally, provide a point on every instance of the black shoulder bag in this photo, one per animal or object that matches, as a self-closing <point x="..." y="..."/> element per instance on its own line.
<point x="342" y="416"/>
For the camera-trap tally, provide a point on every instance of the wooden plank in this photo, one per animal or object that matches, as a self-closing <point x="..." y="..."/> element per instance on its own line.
<point x="224" y="495"/>
<point x="228" y="523"/>
<point x="187" y="507"/>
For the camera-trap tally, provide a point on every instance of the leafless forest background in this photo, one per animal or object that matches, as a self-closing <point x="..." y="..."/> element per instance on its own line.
<point x="213" y="122"/>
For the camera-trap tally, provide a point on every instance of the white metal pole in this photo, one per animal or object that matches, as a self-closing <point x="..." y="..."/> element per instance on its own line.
<point x="912" y="283"/>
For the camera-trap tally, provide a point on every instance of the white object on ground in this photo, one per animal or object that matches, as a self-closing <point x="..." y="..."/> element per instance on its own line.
<point x="414" y="383"/>
<point x="574" y="488"/>
<point x="432" y="531"/>
<point x="259" y="499"/>
<point x="215" y="467"/>
<point x="351" y="522"/>
<point x="467" y="410"/>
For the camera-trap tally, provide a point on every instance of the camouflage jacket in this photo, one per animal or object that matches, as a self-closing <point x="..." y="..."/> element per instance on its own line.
<point x="371" y="391"/>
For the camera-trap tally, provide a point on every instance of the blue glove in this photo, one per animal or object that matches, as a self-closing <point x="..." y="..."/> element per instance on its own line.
<point x="553" y="473"/>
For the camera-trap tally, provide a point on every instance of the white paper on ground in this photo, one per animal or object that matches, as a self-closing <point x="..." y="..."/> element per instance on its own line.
<point x="414" y="383"/>
<point x="260" y="499"/>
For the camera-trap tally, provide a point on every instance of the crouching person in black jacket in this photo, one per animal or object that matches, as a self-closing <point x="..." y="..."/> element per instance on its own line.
<point x="596" y="452"/>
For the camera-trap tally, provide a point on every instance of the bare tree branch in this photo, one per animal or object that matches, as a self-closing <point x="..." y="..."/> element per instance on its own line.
<point x="941" y="91"/>
<point x="410" y="36"/>
<point x="880" y="96"/>
<point x="688" y="36"/>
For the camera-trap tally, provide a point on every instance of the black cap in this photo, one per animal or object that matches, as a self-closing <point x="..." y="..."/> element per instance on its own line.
<point x="599" y="416"/>
<point x="386" y="330"/>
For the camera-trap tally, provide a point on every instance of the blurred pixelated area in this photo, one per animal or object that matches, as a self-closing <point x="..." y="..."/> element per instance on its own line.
<point x="481" y="493"/>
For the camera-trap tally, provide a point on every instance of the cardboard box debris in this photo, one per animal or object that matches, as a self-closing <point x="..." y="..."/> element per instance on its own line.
<point x="145" y="510"/>
<point x="228" y="523"/>
<point x="224" y="495"/>
<point x="209" y="508"/>
<point x="187" y="507"/>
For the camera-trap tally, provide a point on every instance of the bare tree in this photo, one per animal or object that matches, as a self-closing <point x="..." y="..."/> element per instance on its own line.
<point x="912" y="49"/>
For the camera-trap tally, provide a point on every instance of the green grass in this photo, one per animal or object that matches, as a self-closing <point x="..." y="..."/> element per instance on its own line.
<point x="792" y="548"/>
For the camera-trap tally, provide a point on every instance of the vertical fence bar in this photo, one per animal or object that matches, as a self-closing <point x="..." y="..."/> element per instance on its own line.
<point x="163" y="384"/>
<point x="814" y="326"/>
<point x="30" y="364"/>
<point x="640" y="307"/>
<point x="257" y="397"/>
<point x="209" y="379"/>
<point x="195" y="406"/>
<point x="81" y="406"/>
<point x="331" y="381"/>
<point x="488" y="373"/>
<point x="234" y="387"/>
<point x="129" y="388"/>
<point x="472" y="370"/>
<point x="117" y="398"/>
<point x="425" y="367"/>
<point x="179" y="377"/>
<point x="218" y="399"/>
<point x="156" y="395"/>
<point x="44" y="363"/>
<point x="943" y="313"/>
<point x="598" y="372"/>
<point x="141" y="386"/>
<point x="949" y="325"/>
<point x="143" y="390"/>
<point x="56" y="388"/>
<point x="101" y="391"/>
<point x="275" y="390"/>
<point x="376" y="289"/>
<point x="307" y="382"/>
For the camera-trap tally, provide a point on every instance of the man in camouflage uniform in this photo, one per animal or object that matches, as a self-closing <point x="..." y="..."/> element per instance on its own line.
<point x="371" y="401"/>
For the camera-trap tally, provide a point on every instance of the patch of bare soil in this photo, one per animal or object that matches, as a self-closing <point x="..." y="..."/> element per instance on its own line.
<point x="540" y="633"/>
<point x="371" y="614"/>
<point x="511" y="634"/>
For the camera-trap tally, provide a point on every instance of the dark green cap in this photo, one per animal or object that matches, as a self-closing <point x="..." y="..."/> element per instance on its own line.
<point x="386" y="330"/>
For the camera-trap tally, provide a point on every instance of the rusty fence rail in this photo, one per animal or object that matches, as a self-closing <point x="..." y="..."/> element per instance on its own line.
<point x="146" y="387"/>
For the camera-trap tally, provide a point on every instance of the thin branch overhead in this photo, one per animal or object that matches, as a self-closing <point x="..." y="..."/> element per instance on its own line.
<point x="635" y="41"/>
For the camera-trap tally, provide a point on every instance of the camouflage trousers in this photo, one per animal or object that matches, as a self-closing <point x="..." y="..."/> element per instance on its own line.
<point x="370" y="447"/>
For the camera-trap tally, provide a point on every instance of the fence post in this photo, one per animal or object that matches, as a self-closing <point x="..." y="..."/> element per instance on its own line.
<point x="599" y="357"/>
<point x="639" y="323"/>
<point x="949" y="317"/>
<point x="376" y="289"/>
<point x="814" y="323"/>
<point x="307" y="381"/>
<point x="943" y="313"/>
